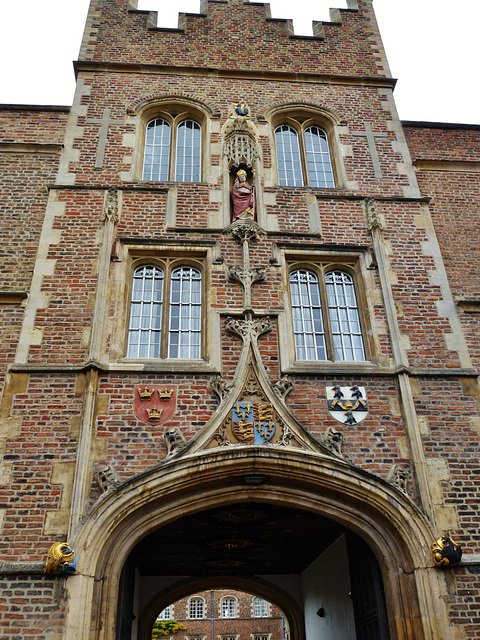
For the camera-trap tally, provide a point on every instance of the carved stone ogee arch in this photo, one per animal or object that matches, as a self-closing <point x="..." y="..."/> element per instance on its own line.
<point x="384" y="517"/>
<point x="252" y="585"/>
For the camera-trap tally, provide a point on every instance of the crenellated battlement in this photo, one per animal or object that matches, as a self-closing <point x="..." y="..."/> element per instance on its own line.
<point x="237" y="35"/>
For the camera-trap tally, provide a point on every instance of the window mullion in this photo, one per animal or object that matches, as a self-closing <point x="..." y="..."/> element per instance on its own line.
<point x="166" y="310"/>
<point x="326" y="316"/>
<point x="303" y="156"/>
<point x="173" y="150"/>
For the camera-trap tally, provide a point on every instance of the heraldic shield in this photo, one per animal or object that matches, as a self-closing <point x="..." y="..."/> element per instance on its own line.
<point x="348" y="405"/>
<point x="155" y="404"/>
<point x="253" y="422"/>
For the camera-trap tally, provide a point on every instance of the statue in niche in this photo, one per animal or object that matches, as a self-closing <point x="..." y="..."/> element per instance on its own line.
<point x="243" y="197"/>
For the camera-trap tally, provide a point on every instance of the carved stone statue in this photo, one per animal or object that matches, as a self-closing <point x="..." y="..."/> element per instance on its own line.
<point x="243" y="197"/>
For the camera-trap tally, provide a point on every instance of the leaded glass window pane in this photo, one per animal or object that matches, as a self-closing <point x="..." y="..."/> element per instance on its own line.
<point x="188" y="160"/>
<point x="228" y="608"/>
<point x="196" y="608"/>
<point x="184" y="339"/>
<point x="166" y="614"/>
<point x="344" y="316"/>
<point x="307" y="316"/>
<point x="288" y="157"/>
<point x="260" y="608"/>
<point x="157" y="150"/>
<point x="320" y="172"/>
<point x="146" y="313"/>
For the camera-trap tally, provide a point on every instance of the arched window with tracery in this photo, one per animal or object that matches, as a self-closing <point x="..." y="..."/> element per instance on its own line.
<point x="325" y="315"/>
<point x="173" y="149"/>
<point x="303" y="154"/>
<point x="166" y="312"/>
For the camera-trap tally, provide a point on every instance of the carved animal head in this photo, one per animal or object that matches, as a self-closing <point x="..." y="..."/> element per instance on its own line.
<point x="445" y="552"/>
<point x="61" y="559"/>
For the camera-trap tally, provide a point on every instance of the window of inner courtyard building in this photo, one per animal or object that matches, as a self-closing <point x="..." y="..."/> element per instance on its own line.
<point x="260" y="608"/>
<point x="196" y="608"/>
<point x="229" y="607"/>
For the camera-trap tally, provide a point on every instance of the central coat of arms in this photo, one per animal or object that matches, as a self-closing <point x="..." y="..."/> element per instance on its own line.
<point x="253" y="422"/>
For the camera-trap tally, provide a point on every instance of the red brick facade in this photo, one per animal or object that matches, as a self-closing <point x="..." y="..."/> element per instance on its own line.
<point x="244" y="623"/>
<point x="76" y="219"/>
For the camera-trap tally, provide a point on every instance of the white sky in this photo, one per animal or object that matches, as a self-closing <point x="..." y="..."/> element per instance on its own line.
<point x="432" y="46"/>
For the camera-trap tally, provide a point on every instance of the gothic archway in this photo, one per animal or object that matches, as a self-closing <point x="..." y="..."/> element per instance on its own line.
<point x="388" y="521"/>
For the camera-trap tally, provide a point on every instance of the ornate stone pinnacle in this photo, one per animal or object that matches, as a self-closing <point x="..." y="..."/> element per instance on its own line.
<point x="399" y="477"/>
<point x="174" y="441"/>
<point x="107" y="478"/>
<point x="373" y="217"/>
<point x="249" y="329"/>
<point x="333" y="440"/>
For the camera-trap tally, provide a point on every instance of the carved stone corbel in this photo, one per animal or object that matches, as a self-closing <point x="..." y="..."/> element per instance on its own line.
<point x="283" y="387"/>
<point x="245" y="230"/>
<point x="107" y="478"/>
<point x="399" y="477"/>
<point x="333" y="440"/>
<point x="174" y="441"/>
<point x="220" y="387"/>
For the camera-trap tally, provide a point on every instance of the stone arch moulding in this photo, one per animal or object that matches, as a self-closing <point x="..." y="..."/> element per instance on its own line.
<point x="138" y="106"/>
<point x="254" y="586"/>
<point x="273" y="111"/>
<point x="397" y="532"/>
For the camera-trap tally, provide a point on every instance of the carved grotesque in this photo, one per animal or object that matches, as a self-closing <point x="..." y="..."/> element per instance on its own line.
<point x="220" y="387"/>
<point x="334" y="440"/>
<point x="107" y="478"/>
<point x="174" y="441"/>
<point x="61" y="559"/>
<point x="399" y="477"/>
<point x="446" y="552"/>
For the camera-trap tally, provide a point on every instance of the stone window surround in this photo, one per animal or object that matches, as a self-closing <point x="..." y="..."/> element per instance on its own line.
<point x="221" y="608"/>
<point x="174" y="111"/>
<point x="300" y="117"/>
<point x="197" y="599"/>
<point x="133" y="256"/>
<point x="352" y="262"/>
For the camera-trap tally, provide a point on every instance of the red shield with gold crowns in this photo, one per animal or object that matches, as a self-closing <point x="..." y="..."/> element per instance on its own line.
<point x="155" y="404"/>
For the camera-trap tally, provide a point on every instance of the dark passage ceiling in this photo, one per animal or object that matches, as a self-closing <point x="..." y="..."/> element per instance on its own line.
<point x="242" y="539"/>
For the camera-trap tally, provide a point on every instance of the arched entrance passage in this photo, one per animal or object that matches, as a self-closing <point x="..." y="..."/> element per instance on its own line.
<point x="299" y="560"/>
<point x="393" y="527"/>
